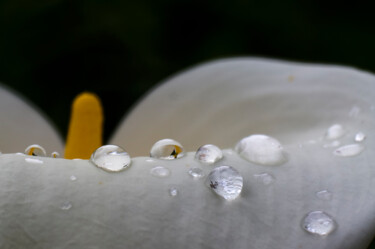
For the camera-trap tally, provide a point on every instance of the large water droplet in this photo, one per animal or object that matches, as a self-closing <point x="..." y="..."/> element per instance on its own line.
<point x="226" y="182"/>
<point x="261" y="149"/>
<point x="66" y="206"/>
<point x="111" y="158"/>
<point x="160" y="171"/>
<point x="167" y="149"/>
<point x="264" y="178"/>
<point x="33" y="160"/>
<point x="173" y="191"/>
<point x="324" y="195"/>
<point x="319" y="223"/>
<point x="335" y="131"/>
<point x="349" y="150"/>
<point x="359" y="137"/>
<point x="196" y="172"/>
<point x="35" y="150"/>
<point x="208" y="154"/>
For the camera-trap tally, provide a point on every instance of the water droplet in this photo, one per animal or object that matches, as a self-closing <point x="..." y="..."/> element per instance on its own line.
<point x="265" y="178"/>
<point x="319" y="223"/>
<point x="55" y="154"/>
<point x="332" y="144"/>
<point x="35" y="150"/>
<point x="160" y="171"/>
<point x="324" y="195"/>
<point x="150" y="160"/>
<point x="261" y="149"/>
<point x="359" y="137"/>
<point x="349" y="150"/>
<point x="111" y="158"/>
<point x="66" y="206"/>
<point x="33" y="160"/>
<point x="196" y="172"/>
<point x="208" y="154"/>
<point x="335" y="131"/>
<point x="354" y="112"/>
<point x="167" y="149"/>
<point x="73" y="178"/>
<point x="173" y="191"/>
<point x="226" y="182"/>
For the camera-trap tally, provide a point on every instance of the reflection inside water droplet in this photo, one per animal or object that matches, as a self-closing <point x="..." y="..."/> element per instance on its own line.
<point x="324" y="195"/>
<point x="318" y="223"/>
<point x="261" y="149"/>
<point x="349" y="150"/>
<point x="160" y="171"/>
<point x="226" y="182"/>
<point x="167" y="149"/>
<point x="264" y="178"/>
<point x="196" y="172"/>
<point x="111" y="158"/>
<point x="35" y="150"/>
<point x="208" y="154"/>
<point x="335" y="131"/>
<point x="359" y="137"/>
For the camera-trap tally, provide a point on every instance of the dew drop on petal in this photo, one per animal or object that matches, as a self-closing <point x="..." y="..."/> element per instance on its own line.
<point x="66" y="206"/>
<point x="264" y="178"/>
<point x="335" y="131"/>
<point x="73" y="178"/>
<point x="261" y="149"/>
<point x="319" y="223"/>
<point x="35" y="150"/>
<point x="173" y="191"/>
<point x="225" y="181"/>
<point x="55" y="154"/>
<point x="196" y="172"/>
<point x="111" y="158"/>
<point x="349" y="150"/>
<point x="324" y="195"/>
<point x="208" y="154"/>
<point x="359" y="137"/>
<point x="160" y="171"/>
<point x="332" y="144"/>
<point x="167" y="149"/>
<point x="33" y="160"/>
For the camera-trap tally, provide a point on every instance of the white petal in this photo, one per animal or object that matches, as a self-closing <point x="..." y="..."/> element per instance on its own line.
<point x="22" y="124"/>
<point x="222" y="101"/>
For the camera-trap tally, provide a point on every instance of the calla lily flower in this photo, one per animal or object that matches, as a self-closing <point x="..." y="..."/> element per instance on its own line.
<point x="321" y="195"/>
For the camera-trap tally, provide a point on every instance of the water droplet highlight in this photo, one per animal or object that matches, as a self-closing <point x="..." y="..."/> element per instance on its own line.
<point x="66" y="206"/>
<point x="226" y="182"/>
<point x="173" y="191"/>
<point x="167" y="149"/>
<point x="73" y="178"/>
<point x="261" y="149"/>
<point x="349" y="150"/>
<point x="324" y="195"/>
<point x="196" y="172"/>
<point x="160" y="171"/>
<point x="33" y="160"/>
<point x="55" y="154"/>
<point x="264" y="178"/>
<point x="111" y="158"/>
<point x="335" y="131"/>
<point x="319" y="223"/>
<point x="359" y="137"/>
<point x="209" y="154"/>
<point x="35" y="150"/>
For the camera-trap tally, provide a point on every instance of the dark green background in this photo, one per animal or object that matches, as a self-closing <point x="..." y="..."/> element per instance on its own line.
<point x="52" y="50"/>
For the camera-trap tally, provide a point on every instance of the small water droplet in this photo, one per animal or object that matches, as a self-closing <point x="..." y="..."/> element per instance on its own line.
<point x="208" y="154"/>
<point x="265" y="178"/>
<point x="349" y="150"/>
<point x="73" y="178"/>
<point x="324" y="195"/>
<point x="173" y="191"/>
<point x="196" y="172"/>
<point x="335" y="131"/>
<point x="35" y="150"/>
<point x="332" y="144"/>
<point x="167" y="149"/>
<point x="160" y="171"/>
<point x="111" y="158"/>
<point x="66" y="206"/>
<point x="150" y="160"/>
<point x="354" y="112"/>
<point x="261" y="149"/>
<point x="55" y="154"/>
<point x="319" y="223"/>
<point x="33" y="160"/>
<point x="359" y="137"/>
<point x="225" y="181"/>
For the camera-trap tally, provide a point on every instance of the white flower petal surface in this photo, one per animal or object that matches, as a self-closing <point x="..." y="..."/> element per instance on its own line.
<point x="22" y="125"/>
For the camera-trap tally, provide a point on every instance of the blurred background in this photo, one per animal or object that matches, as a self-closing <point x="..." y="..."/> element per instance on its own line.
<point x="51" y="50"/>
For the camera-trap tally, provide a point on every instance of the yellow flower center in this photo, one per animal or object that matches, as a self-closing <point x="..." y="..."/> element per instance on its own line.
<point x="85" y="127"/>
